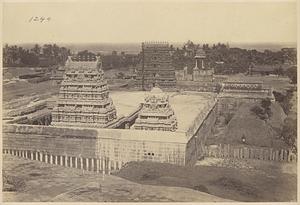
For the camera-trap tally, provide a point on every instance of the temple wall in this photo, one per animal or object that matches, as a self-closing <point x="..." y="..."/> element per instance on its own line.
<point x="58" y="141"/>
<point x="115" y="144"/>
<point x="195" y="148"/>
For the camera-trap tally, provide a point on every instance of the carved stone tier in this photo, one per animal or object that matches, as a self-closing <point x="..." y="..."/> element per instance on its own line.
<point x="157" y="66"/>
<point x="156" y="113"/>
<point x="84" y="97"/>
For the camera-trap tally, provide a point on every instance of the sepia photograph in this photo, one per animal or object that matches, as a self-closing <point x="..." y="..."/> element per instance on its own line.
<point x="149" y="101"/>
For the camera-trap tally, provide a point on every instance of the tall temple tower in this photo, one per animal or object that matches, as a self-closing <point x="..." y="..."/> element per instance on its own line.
<point x="156" y="113"/>
<point x="156" y="61"/>
<point x="84" y="97"/>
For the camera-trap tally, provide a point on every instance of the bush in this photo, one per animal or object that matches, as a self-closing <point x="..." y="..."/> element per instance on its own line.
<point x="258" y="111"/>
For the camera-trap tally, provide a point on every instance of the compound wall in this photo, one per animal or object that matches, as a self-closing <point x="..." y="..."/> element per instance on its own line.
<point x="115" y="144"/>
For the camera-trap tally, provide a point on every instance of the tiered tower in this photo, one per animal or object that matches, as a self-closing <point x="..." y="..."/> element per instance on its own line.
<point x="156" y="66"/>
<point x="83" y="97"/>
<point x="156" y="113"/>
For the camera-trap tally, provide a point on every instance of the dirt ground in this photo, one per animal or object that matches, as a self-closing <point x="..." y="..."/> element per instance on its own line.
<point x="32" y="181"/>
<point x="265" y="183"/>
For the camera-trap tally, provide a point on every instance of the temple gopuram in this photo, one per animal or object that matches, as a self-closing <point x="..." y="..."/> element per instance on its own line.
<point x="156" y="66"/>
<point x="156" y="113"/>
<point x="84" y="97"/>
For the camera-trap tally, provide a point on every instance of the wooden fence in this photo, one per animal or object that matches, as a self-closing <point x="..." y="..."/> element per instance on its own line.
<point x="247" y="152"/>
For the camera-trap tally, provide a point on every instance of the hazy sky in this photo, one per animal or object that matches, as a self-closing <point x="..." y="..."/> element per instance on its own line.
<point x="173" y="21"/>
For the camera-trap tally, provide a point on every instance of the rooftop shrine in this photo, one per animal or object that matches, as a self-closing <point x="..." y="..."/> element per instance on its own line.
<point x="156" y="113"/>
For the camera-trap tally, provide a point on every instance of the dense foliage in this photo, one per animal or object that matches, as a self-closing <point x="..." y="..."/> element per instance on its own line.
<point x="224" y="59"/>
<point x="228" y="60"/>
<point x="46" y="55"/>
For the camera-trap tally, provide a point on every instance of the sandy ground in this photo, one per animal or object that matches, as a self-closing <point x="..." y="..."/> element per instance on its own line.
<point x="40" y="182"/>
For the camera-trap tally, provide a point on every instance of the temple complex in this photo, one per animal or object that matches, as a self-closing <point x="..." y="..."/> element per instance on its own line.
<point x="156" y="113"/>
<point x="84" y="97"/>
<point x="156" y="66"/>
<point x="202" y="71"/>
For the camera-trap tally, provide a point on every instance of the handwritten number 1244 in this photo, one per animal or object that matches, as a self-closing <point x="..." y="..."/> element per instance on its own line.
<point x="40" y="19"/>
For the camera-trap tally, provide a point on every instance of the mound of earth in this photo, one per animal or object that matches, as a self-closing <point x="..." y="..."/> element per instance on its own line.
<point x="257" y="132"/>
<point x="229" y="183"/>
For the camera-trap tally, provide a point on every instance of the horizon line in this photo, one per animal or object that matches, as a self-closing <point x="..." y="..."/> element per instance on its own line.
<point x="139" y="42"/>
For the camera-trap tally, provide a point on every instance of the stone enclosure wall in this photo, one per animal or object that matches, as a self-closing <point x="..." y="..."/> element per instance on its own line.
<point x="196" y="146"/>
<point x="60" y="141"/>
<point x="116" y="146"/>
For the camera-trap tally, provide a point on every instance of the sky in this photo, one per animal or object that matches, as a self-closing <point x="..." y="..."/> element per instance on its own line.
<point x="132" y="21"/>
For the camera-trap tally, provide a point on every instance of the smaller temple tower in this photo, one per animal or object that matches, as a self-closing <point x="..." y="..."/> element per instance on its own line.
<point x="156" y="113"/>
<point x="202" y="71"/>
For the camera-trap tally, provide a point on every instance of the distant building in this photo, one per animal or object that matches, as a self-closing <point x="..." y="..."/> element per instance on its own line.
<point x="156" y="113"/>
<point x="202" y="71"/>
<point x="156" y="66"/>
<point x="245" y="90"/>
<point x="84" y="97"/>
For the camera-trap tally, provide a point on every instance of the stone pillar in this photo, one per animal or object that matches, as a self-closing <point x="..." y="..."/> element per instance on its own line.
<point x="31" y="155"/>
<point x="36" y="155"/>
<point x="66" y="161"/>
<point x="41" y="156"/>
<point x="103" y="165"/>
<point x="92" y="164"/>
<point x="26" y="154"/>
<point x="51" y="159"/>
<point x="76" y="165"/>
<point x="87" y="164"/>
<point x="61" y="160"/>
<point x="81" y="163"/>
<point x="46" y="158"/>
<point x="55" y="160"/>
<point x="71" y="162"/>
<point x="97" y="166"/>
